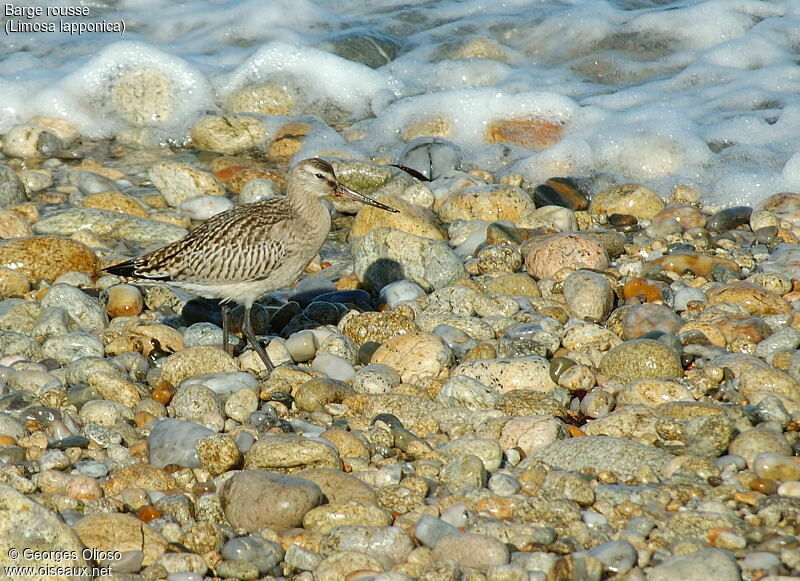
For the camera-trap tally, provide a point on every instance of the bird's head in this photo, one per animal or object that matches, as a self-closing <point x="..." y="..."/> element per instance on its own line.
<point x="316" y="176"/>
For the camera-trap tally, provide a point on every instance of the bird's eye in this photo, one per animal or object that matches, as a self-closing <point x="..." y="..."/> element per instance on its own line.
<point x="320" y="176"/>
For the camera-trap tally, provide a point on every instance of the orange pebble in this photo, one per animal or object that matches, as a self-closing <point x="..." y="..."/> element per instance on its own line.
<point x="163" y="394"/>
<point x="715" y="532"/>
<point x="141" y="419"/>
<point x="651" y="290"/>
<point x="228" y="172"/>
<point x="575" y="431"/>
<point x="147" y="513"/>
<point x="497" y="506"/>
<point x="140" y="450"/>
<point x="7" y="440"/>
<point x="764" y="486"/>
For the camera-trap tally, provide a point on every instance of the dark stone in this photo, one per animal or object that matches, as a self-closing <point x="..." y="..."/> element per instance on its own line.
<point x="622" y="221"/>
<point x="366" y="351"/>
<point x="359" y="298"/>
<point x="70" y="442"/>
<point x="389" y="419"/>
<point x="722" y="273"/>
<point x="324" y="312"/>
<point x="729" y="218"/>
<point x="559" y="365"/>
<point x="49" y="144"/>
<point x="368" y="47"/>
<point x="564" y="192"/>
<point x="284" y="314"/>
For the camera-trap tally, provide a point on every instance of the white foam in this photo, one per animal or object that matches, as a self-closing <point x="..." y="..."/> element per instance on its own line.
<point x="317" y="76"/>
<point x="705" y="93"/>
<point x="87" y="96"/>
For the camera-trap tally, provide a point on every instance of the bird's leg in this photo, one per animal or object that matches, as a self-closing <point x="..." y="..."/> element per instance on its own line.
<point x="226" y="327"/>
<point x="248" y="333"/>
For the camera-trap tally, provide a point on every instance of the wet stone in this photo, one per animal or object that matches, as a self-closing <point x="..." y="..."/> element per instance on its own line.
<point x="729" y="218"/>
<point x="564" y="192"/>
<point x="255" y="550"/>
<point x="633" y="199"/>
<point x="431" y="156"/>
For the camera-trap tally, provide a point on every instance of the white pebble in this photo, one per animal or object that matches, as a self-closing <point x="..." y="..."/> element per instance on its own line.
<point x="301" y="346"/>
<point x="791" y="488"/>
<point x="402" y="290"/>
<point x="203" y="207"/>
<point x="334" y="367"/>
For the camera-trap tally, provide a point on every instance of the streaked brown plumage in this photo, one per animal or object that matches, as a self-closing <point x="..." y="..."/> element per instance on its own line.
<point x="248" y="251"/>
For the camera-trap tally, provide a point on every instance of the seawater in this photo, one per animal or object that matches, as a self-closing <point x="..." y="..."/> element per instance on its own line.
<point x="657" y="92"/>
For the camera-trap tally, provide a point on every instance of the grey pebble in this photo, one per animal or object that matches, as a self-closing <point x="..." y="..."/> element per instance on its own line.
<point x="173" y="441"/>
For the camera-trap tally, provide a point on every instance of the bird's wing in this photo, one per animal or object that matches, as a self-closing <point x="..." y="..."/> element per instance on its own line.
<point x="243" y="244"/>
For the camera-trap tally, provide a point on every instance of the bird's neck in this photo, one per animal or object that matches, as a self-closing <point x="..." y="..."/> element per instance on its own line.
<point x="313" y="210"/>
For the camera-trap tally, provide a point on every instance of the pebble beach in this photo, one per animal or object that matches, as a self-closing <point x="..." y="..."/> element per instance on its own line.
<point x="540" y="369"/>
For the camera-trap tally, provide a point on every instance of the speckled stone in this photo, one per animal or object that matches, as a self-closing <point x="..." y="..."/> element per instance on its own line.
<point x="630" y="421"/>
<point x="110" y="225"/>
<point x="653" y="392"/>
<point x="640" y="359"/>
<point x="255" y="499"/>
<point x="489" y="203"/>
<point x="115" y="202"/>
<point x="27" y="524"/>
<point x="697" y="566"/>
<point x="373" y="326"/>
<point x="758" y="381"/>
<point x="289" y="453"/>
<point x="390" y="545"/>
<point x="415" y="355"/>
<point x="686" y="215"/>
<point x="338" y="486"/>
<point x="603" y="453"/>
<point x="230" y="134"/>
<point x="573" y="251"/>
<point x="347" y="565"/>
<point x="194" y="361"/>
<point x="217" y="453"/>
<point x="409" y="218"/>
<point x="47" y="257"/>
<point x="531" y="372"/>
<point x="325" y="518"/>
<point x="632" y="199"/>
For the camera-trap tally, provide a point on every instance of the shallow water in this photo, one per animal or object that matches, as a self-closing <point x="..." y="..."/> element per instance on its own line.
<point x="704" y="93"/>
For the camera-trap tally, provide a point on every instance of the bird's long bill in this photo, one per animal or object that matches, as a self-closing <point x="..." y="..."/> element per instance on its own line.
<point x="347" y="192"/>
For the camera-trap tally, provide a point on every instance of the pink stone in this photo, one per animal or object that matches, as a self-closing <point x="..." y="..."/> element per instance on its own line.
<point x="561" y="251"/>
<point x="84" y="488"/>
